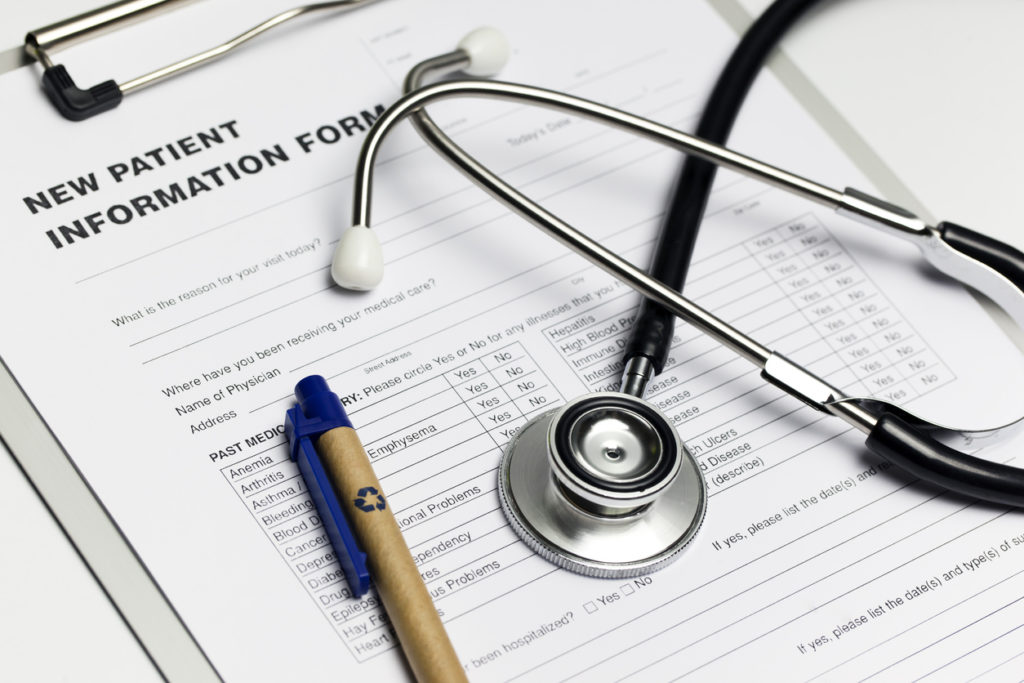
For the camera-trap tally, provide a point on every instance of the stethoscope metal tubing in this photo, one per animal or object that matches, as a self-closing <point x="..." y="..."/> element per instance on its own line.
<point x="441" y="64"/>
<point x="791" y="377"/>
<point x="548" y="98"/>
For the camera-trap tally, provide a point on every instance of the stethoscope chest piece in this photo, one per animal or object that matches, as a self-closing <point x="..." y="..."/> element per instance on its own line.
<point x="602" y="486"/>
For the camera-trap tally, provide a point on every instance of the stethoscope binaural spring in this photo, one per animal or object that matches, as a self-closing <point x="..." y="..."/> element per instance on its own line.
<point x="560" y="483"/>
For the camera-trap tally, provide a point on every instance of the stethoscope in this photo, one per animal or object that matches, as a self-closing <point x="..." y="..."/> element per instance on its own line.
<point x="603" y="485"/>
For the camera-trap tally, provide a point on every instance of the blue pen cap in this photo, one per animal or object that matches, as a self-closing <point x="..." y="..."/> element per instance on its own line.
<point x="319" y="410"/>
<point x="318" y="402"/>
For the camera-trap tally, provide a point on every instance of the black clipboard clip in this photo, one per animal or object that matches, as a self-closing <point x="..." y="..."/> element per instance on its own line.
<point x="78" y="104"/>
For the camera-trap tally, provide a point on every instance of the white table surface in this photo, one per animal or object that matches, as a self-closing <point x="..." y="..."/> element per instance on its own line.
<point x="931" y="85"/>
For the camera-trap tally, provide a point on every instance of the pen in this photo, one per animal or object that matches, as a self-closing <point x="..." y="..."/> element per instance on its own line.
<point x="363" y="529"/>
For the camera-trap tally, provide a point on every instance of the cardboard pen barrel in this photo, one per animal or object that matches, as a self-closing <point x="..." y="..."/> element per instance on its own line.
<point x="399" y="584"/>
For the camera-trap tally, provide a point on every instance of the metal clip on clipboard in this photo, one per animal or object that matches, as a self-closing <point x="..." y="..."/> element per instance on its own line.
<point x="77" y="103"/>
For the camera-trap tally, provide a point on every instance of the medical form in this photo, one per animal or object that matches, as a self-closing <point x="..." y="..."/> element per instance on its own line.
<point x="170" y="259"/>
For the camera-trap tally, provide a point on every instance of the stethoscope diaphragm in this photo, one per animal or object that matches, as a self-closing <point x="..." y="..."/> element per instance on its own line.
<point x="602" y="486"/>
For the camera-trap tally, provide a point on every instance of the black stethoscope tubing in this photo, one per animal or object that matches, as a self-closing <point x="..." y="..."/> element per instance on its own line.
<point x="651" y="336"/>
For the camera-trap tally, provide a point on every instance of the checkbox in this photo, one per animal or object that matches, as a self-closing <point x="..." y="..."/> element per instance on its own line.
<point x="590" y="607"/>
<point x="626" y="588"/>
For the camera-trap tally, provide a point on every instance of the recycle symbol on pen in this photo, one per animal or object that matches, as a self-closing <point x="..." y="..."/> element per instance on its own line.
<point x="365" y="505"/>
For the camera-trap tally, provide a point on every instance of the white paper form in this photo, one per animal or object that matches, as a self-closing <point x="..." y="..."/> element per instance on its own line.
<point x="162" y="346"/>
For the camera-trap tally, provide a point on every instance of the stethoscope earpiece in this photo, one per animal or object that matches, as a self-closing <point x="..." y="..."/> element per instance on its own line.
<point x="358" y="261"/>
<point x="603" y="487"/>
<point x="487" y="49"/>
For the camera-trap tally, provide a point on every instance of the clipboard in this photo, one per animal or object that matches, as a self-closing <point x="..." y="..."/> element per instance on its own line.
<point x="99" y="540"/>
<point x="33" y="436"/>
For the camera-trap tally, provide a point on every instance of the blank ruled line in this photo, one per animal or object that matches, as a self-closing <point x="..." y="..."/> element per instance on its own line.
<point x="916" y="625"/>
<point x="999" y="666"/>
<point x="779" y="600"/>
<point x="945" y="637"/>
<point x="228" y="306"/>
<point x="639" y="618"/>
<point x="852" y="590"/>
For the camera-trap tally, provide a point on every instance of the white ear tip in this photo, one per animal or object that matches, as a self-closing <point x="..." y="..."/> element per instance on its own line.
<point x="488" y="51"/>
<point x="358" y="259"/>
